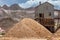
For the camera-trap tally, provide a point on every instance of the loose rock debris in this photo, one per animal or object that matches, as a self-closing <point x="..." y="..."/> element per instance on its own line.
<point x="28" y="28"/>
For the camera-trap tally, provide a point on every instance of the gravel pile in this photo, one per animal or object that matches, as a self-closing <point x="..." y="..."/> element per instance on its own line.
<point x="28" y="28"/>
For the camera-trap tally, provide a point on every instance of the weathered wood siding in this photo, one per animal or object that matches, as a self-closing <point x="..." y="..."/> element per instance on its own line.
<point x="46" y="9"/>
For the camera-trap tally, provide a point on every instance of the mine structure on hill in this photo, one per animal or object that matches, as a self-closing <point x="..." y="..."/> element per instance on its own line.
<point x="45" y="15"/>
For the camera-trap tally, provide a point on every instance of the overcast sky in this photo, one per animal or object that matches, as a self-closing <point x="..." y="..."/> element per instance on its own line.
<point x="30" y="3"/>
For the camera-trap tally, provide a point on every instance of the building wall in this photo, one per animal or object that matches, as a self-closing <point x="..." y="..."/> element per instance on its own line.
<point x="56" y="14"/>
<point x="59" y="13"/>
<point x="57" y="20"/>
<point x="46" y="9"/>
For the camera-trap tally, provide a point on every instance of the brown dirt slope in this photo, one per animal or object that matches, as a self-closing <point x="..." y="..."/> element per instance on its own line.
<point x="57" y="34"/>
<point x="28" y="28"/>
<point x="15" y="38"/>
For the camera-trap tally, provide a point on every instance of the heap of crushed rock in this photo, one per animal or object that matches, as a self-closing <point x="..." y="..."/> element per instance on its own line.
<point x="28" y="28"/>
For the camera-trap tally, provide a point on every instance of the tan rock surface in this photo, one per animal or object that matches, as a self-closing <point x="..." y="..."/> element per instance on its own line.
<point x="57" y="34"/>
<point x="28" y="28"/>
<point x="15" y="38"/>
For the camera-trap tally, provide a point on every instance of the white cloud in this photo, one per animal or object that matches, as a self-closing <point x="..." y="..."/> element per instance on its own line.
<point x="30" y="3"/>
<point x="55" y="3"/>
<point x="27" y="4"/>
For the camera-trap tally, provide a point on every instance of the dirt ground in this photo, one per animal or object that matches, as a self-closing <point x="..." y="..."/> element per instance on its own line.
<point x="14" y="38"/>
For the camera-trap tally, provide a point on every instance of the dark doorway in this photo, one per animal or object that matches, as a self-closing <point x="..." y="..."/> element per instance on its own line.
<point x="41" y="15"/>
